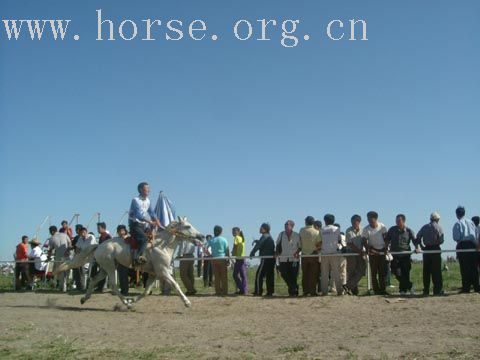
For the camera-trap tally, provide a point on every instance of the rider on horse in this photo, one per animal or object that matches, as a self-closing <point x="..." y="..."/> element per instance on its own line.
<point x="141" y="216"/>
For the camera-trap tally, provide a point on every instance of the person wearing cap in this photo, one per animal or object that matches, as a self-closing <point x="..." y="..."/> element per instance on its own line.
<point x="466" y="235"/>
<point x="266" y="247"/>
<point x="38" y="257"/>
<point x="287" y="249"/>
<point x="22" y="267"/>
<point x="310" y="243"/>
<point x="356" y="265"/>
<point x="398" y="239"/>
<point x="374" y="237"/>
<point x="140" y="217"/>
<point x="429" y="238"/>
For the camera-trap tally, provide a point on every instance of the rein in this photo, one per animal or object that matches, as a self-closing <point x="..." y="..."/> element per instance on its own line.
<point x="174" y="234"/>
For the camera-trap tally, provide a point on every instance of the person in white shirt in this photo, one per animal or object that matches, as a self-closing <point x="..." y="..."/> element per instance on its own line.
<point x="36" y="254"/>
<point x="342" y="247"/>
<point x="374" y="236"/>
<point x="330" y="265"/>
<point x="39" y="265"/>
<point x="84" y="241"/>
<point x="476" y="222"/>
<point x="186" y="251"/>
<point x="287" y="249"/>
<point x="59" y="244"/>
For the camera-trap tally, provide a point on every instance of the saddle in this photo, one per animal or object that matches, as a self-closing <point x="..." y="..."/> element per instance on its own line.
<point x="130" y="240"/>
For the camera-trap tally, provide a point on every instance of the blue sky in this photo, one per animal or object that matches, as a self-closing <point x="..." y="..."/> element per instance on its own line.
<point x="237" y="133"/>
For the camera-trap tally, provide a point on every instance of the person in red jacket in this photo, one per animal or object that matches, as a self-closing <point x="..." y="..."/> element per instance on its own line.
<point x="22" y="271"/>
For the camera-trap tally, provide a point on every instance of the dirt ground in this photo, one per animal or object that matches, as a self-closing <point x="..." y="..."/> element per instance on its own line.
<point x="240" y="327"/>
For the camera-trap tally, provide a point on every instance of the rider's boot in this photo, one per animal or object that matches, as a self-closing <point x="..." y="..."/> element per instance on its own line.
<point x="139" y="258"/>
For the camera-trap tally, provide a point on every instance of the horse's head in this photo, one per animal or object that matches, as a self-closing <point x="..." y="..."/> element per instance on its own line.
<point x="183" y="230"/>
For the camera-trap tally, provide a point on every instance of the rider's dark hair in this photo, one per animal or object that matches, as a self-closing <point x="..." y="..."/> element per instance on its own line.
<point x="52" y="229"/>
<point x="141" y="185"/>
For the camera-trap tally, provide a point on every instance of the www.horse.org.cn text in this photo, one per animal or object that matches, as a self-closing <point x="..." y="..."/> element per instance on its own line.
<point x="286" y="32"/>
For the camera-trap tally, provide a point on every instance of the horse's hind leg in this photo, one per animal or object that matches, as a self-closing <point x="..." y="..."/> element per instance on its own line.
<point x="148" y="287"/>
<point x="169" y="278"/>
<point x="102" y="274"/>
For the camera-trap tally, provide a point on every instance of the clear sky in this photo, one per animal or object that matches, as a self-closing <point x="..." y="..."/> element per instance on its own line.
<point x="237" y="133"/>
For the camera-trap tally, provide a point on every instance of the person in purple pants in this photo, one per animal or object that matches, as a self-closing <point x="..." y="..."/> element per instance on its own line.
<point x="240" y="267"/>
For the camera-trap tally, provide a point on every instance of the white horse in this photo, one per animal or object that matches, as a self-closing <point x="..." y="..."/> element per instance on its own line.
<point x="116" y="251"/>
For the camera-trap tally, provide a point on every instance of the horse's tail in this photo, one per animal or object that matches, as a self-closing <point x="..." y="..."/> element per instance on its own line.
<point x="80" y="259"/>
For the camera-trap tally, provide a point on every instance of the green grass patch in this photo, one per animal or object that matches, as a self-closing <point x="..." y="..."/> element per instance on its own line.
<point x="292" y="349"/>
<point x="69" y="349"/>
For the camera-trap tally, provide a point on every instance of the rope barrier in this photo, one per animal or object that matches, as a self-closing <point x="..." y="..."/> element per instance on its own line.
<point x="280" y="257"/>
<point x="339" y="254"/>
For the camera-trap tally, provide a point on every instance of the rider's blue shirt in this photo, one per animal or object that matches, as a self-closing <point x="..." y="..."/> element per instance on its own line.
<point x="141" y="210"/>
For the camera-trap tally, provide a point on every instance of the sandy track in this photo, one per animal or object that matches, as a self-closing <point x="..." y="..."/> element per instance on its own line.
<point x="247" y="327"/>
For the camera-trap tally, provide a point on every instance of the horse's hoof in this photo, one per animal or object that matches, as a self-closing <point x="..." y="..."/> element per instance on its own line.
<point x="188" y="304"/>
<point x="82" y="300"/>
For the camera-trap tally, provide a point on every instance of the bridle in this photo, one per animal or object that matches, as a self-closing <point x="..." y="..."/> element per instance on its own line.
<point x="178" y="234"/>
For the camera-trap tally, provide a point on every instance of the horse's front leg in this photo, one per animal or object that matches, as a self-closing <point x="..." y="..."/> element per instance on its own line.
<point x="113" y="286"/>
<point x="169" y="278"/>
